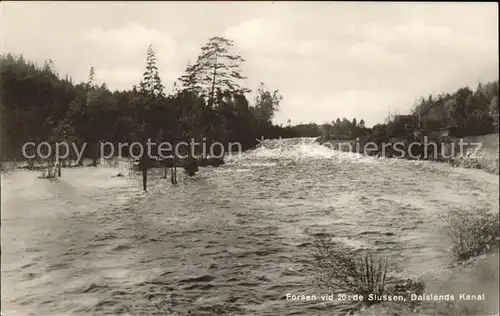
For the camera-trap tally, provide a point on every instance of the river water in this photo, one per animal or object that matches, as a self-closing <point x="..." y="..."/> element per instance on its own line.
<point x="232" y="240"/>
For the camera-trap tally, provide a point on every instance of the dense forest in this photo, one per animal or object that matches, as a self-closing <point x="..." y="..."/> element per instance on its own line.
<point x="207" y="103"/>
<point x="462" y="113"/>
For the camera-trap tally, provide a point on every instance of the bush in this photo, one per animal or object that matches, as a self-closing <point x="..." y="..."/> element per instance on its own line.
<point x="473" y="232"/>
<point x="474" y="159"/>
<point x="354" y="273"/>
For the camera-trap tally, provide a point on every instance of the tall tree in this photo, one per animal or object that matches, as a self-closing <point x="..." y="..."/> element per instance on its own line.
<point x="216" y="69"/>
<point x="266" y="104"/>
<point x="91" y="76"/>
<point x="49" y="66"/>
<point x="151" y="83"/>
<point x="92" y="92"/>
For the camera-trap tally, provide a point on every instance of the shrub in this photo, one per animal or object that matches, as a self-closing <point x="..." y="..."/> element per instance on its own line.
<point x="473" y="232"/>
<point x="474" y="159"/>
<point x="354" y="272"/>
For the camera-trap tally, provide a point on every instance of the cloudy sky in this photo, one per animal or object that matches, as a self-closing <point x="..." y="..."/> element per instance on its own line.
<point x="328" y="60"/>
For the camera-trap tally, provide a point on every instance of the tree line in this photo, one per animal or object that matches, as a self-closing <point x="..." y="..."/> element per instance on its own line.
<point x="462" y="113"/>
<point x="208" y="103"/>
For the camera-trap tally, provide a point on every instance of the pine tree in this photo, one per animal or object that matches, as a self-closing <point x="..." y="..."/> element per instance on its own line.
<point x="216" y="69"/>
<point x="267" y="103"/>
<point x="151" y="83"/>
<point x="91" y="76"/>
<point x="91" y="93"/>
<point x="49" y="66"/>
<point x="189" y="80"/>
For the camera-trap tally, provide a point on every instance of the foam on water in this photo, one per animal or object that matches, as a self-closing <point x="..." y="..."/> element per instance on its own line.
<point x="231" y="239"/>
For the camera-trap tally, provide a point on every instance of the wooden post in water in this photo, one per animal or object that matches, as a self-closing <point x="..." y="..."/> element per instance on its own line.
<point x="174" y="175"/>
<point x="145" y="178"/>
<point x="174" y="162"/>
<point x="50" y="167"/>
<point x="144" y="167"/>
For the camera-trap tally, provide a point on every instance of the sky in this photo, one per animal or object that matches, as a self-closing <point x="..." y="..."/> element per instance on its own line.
<point x="328" y="59"/>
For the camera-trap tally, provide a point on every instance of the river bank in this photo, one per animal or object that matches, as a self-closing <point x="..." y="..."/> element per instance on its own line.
<point x="476" y="152"/>
<point x="454" y="286"/>
<point x="133" y="164"/>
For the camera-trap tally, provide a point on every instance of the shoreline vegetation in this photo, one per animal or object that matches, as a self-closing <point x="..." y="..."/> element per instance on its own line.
<point x="209" y="103"/>
<point x="444" y="120"/>
<point x="206" y="104"/>
<point x="454" y="287"/>
<point x="448" y="150"/>
<point x="469" y="286"/>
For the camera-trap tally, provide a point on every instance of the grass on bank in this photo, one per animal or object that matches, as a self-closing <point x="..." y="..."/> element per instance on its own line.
<point x="473" y="232"/>
<point x="341" y="269"/>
